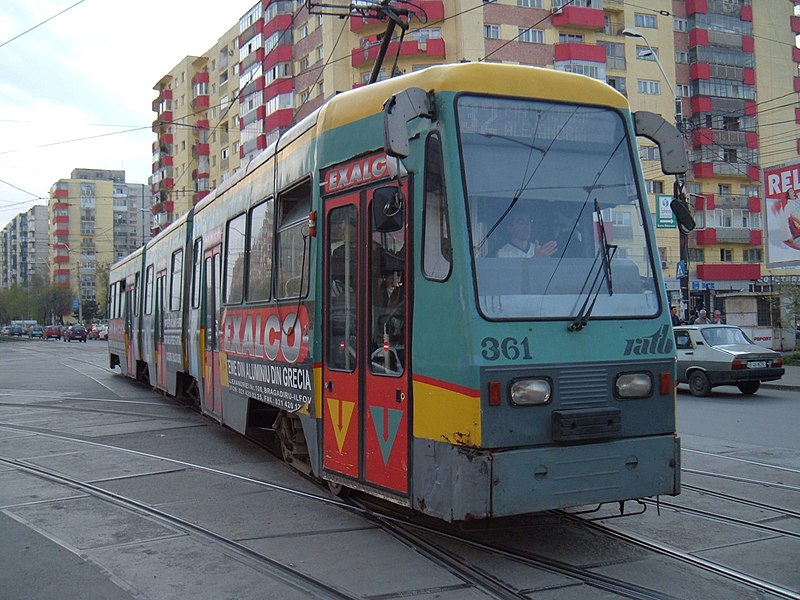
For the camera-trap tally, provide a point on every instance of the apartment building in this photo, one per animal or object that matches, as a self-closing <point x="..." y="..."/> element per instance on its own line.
<point x="96" y="218"/>
<point x="197" y="129"/>
<point x="24" y="250"/>
<point x="726" y="70"/>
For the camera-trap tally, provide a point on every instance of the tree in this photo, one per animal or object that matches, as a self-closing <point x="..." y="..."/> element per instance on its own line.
<point x="57" y="301"/>
<point x="102" y="289"/>
<point x="789" y="294"/>
<point x="89" y="310"/>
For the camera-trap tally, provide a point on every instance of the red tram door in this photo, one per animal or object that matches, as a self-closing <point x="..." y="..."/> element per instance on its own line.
<point x="365" y="378"/>
<point x="212" y="386"/>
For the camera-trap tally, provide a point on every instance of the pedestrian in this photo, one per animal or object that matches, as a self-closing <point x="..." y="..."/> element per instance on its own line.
<point x="702" y="318"/>
<point x="718" y="320"/>
<point x="676" y="320"/>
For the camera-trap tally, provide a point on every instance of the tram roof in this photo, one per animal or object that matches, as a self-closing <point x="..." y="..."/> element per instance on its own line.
<point x="478" y="78"/>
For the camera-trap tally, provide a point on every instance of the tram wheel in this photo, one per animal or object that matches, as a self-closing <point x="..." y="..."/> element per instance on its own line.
<point x="337" y="489"/>
<point x="699" y="384"/>
<point x="749" y="387"/>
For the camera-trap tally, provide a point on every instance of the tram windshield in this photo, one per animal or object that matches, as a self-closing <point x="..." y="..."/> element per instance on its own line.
<point x="554" y="211"/>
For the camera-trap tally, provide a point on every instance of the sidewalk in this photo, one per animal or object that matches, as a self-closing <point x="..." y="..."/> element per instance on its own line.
<point x="789" y="381"/>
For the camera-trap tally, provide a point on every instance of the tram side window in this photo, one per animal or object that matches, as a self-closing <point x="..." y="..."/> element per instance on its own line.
<point x="148" y="290"/>
<point x="136" y="294"/>
<point x="342" y="249"/>
<point x="259" y="248"/>
<point x="197" y="269"/>
<point x="120" y="298"/>
<point x="112" y="301"/>
<point x="234" y="260"/>
<point x="437" y="251"/>
<point x="176" y="280"/>
<point x="293" y="247"/>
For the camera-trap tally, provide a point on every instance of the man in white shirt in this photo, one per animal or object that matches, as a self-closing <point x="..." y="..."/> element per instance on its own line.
<point x="520" y="246"/>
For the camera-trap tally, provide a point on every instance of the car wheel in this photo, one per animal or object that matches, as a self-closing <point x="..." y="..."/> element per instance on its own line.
<point x="699" y="384"/>
<point x="749" y="387"/>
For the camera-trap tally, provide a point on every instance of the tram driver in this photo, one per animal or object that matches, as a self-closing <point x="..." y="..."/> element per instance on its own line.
<point x="520" y="231"/>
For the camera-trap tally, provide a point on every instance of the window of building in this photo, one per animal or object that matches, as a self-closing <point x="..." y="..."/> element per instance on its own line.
<point x="679" y="24"/>
<point x="570" y="38"/>
<point x="618" y="83"/>
<point x="530" y="3"/>
<point x="531" y="35"/>
<point x="648" y="86"/>
<point x="681" y="57"/>
<point x="730" y="155"/>
<point x="654" y="186"/>
<point x="724" y="189"/>
<point x="696" y="255"/>
<point x="646" y="53"/>
<point x="751" y="255"/>
<point x="649" y="153"/>
<point x="725" y="255"/>
<point x="645" y="20"/>
<point x="491" y="32"/>
<point x="615" y="54"/>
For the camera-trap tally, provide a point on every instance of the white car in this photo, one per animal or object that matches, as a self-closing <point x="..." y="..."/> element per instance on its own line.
<point x="712" y="355"/>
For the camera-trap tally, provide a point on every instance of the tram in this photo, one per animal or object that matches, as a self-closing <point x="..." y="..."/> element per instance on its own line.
<point x="442" y="289"/>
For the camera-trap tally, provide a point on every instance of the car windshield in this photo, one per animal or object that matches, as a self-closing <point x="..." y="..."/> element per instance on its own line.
<point x="724" y="336"/>
<point x="557" y="182"/>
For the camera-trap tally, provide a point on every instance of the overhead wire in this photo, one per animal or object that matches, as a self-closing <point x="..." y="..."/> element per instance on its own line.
<point x="19" y="35"/>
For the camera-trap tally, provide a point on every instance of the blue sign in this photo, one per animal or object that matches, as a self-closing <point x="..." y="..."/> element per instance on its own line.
<point x="76" y="303"/>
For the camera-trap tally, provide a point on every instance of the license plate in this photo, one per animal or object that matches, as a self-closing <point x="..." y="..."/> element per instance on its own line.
<point x="757" y="364"/>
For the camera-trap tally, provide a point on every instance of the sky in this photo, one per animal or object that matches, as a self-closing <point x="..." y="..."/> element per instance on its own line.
<point x="77" y="92"/>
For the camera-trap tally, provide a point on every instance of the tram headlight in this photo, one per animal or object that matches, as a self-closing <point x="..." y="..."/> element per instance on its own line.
<point x="530" y="392"/>
<point x="634" y="385"/>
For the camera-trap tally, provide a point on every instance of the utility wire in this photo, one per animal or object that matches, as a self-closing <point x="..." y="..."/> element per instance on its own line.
<point x="19" y="35"/>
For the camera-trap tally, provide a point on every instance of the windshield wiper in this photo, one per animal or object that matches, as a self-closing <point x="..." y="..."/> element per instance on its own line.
<point x="605" y="252"/>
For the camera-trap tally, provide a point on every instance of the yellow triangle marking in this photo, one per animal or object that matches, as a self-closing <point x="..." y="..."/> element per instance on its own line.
<point x="341" y="412"/>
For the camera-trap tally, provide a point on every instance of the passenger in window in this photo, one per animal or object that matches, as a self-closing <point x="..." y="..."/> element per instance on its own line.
<point x="520" y="229"/>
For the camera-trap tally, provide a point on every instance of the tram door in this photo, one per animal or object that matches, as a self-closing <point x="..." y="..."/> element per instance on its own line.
<point x="131" y="327"/>
<point x="365" y="380"/>
<point x="212" y="388"/>
<point x="158" y="330"/>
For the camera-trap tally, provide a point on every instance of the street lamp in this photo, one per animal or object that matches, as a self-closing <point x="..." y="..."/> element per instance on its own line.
<point x="683" y="242"/>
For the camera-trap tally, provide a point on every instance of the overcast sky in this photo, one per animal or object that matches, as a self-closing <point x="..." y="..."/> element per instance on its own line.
<point x="89" y="73"/>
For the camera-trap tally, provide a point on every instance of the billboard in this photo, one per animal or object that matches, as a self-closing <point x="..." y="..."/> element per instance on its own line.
<point x="782" y="214"/>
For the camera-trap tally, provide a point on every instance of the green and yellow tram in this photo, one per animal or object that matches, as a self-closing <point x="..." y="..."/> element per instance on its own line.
<point x="442" y="289"/>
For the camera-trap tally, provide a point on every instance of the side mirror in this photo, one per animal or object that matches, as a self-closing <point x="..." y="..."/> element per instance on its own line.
<point x="388" y="209"/>
<point x="683" y="215"/>
<point x="398" y="110"/>
<point x="668" y="138"/>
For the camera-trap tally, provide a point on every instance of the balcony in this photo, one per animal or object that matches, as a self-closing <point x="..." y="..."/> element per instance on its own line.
<point x="59" y="259"/>
<point x="201" y="150"/>
<point x="200" y="102"/>
<point x="60" y="193"/>
<point x="733" y="235"/>
<point x="578" y="17"/>
<point x="588" y="52"/>
<point x="434" y="48"/>
<point x="729" y="272"/>
<point x="198" y="196"/>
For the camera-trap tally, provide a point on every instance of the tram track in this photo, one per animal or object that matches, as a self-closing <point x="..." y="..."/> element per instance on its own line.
<point x="401" y="529"/>
<point x="288" y="575"/>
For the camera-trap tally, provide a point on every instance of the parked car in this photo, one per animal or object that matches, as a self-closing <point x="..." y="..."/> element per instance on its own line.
<point x="712" y="355"/>
<point x="52" y="331"/>
<point x="37" y="331"/>
<point x="75" y="332"/>
<point x="15" y="330"/>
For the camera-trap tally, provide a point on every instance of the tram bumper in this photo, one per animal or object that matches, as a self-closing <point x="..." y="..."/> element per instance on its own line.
<point x="468" y="483"/>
